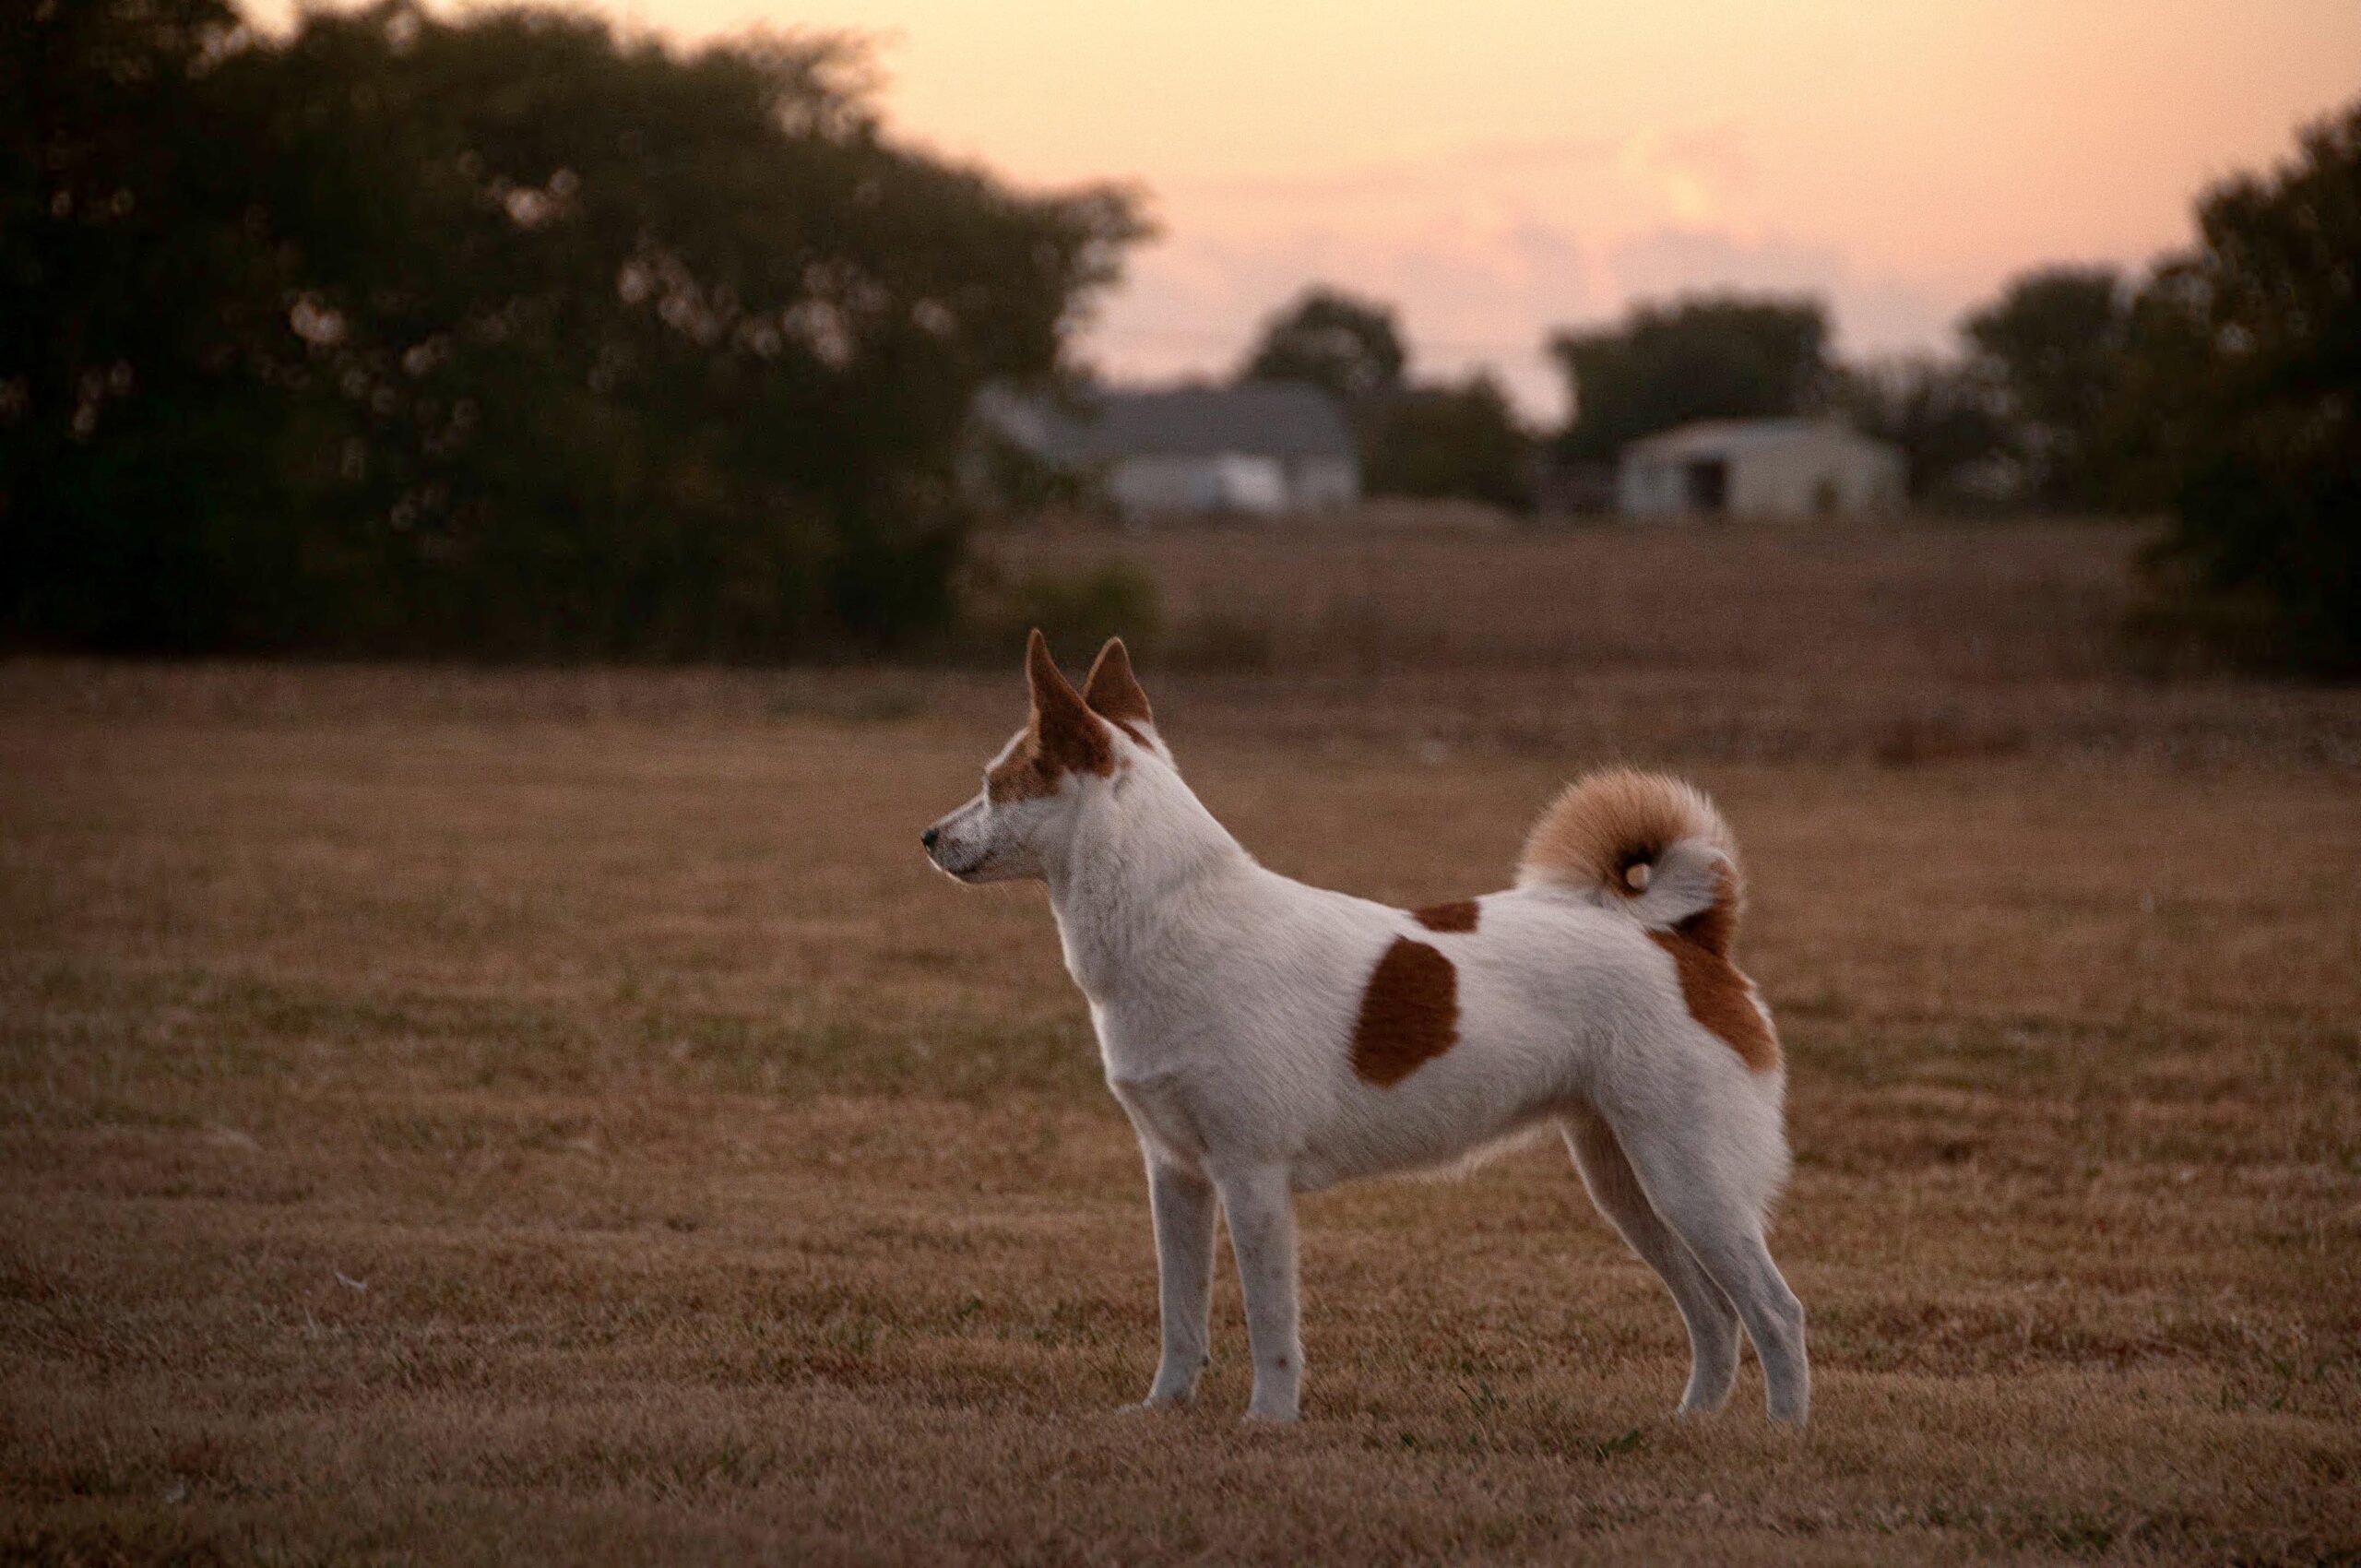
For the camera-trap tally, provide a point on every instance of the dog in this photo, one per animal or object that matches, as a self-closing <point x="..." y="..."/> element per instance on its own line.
<point x="1267" y="1038"/>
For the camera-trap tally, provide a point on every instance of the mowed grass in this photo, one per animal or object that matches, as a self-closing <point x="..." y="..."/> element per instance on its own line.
<point x="553" y="1117"/>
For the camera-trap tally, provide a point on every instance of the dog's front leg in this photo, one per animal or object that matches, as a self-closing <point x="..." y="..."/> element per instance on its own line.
<point x="1182" y="1204"/>
<point x="1261" y="1229"/>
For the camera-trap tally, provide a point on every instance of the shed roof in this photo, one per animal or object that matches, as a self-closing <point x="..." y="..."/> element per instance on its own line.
<point x="1704" y="438"/>
<point x="1260" y="419"/>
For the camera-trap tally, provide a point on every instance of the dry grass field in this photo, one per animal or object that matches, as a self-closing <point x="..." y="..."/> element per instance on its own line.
<point x="557" y="1117"/>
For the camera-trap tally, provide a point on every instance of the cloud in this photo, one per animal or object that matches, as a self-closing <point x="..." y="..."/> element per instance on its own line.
<point x="1485" y="249"/>
<point x="1468" y="298"/>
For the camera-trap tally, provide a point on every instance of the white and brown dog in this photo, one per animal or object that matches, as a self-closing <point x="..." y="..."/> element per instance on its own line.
<point x="1268" y="1039"/>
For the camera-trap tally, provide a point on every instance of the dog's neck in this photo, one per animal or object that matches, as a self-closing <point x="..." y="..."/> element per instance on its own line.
<point x="1121" y="889"/>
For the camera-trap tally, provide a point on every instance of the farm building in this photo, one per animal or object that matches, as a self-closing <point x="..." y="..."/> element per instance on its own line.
<point x="1261" y="448"/>
<point x="1760" y="469"/>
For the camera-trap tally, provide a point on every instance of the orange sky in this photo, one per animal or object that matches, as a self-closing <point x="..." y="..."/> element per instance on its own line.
<point x="1496" y="167"/>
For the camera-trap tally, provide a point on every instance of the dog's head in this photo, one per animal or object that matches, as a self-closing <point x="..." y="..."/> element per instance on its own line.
<point x="1074" y="742"/>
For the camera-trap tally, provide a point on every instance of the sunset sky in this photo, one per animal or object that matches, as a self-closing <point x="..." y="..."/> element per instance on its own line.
<point x="1497" y="169"/>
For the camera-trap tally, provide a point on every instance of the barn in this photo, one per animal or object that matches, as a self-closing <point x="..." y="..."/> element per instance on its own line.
<point x="1259" y="448"/>
<point x="1789" y="468"/>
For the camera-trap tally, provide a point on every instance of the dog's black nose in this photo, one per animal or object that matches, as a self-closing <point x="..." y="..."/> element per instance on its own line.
<point x="927" y="838"/>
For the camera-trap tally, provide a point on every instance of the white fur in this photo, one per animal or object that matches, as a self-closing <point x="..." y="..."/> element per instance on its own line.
<point x="1225" y="998"/>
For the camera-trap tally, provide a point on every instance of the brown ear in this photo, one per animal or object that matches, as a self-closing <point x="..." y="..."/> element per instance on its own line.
<point x="1113" y="692"/>
<point x="1069" y="735"/>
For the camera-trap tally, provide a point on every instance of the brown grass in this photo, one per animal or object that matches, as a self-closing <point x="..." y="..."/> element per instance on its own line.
<point x="1900" y="643"/>
<point x="2008" y="601"/>
<point x="559" y="1117"/>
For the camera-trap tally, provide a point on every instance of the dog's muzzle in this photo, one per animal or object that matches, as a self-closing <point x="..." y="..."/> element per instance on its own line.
<point x="939" y="855"/>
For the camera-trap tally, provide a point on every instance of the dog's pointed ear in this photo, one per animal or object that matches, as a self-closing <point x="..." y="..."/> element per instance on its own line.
<point x="1042" y="674"/>
<point x="1113" y="692"/>
<point x="1071" y="736"/>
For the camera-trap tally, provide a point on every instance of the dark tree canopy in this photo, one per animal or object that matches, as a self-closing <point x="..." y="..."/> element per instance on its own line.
<point x="1712" y="357"/>
<point x="132" y="287"/>
<point x="1950" y="420"/>
<point x="497" y="336"/>
<point x="1457" y="441"/>
<point x="1351" y="346"/>
<point x="2243" y="410"/>
<point x="2054" y="343"/>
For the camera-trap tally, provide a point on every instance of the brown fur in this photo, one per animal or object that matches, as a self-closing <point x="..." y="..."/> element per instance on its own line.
<point x="1715" y="928"/>
<point x="1061" y="737"/>
<point x="1114" y="693"/>
<point x="1602" y="826"/>
<point x="1022" y="776"/>
<point x="1720" y="997"/>
<point x="1410" y="1013"/>
<point x="1460" y="914"/>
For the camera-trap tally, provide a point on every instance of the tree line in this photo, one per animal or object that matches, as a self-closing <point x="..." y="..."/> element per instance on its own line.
<point x="501" y="337"/>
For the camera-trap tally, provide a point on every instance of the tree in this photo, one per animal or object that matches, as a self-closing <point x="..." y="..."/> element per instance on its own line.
<point x="2242" y="412"/>
<point x="501" y="336"/>
<point x="1947" y="418"/>
<point x="133" y="290"/>
<point x="2054" y="342"/>
<point x="1717" y="356"/>
<point x="1350" y="346"/>
<point x="1448" y="441"/>
<point x="1438" y="440"/>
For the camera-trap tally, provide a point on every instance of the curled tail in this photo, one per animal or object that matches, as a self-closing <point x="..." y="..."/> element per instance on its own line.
<point x="1644" y="843"/>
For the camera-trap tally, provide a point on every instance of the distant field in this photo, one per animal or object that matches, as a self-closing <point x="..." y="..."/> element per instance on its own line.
<point x="2000" y="601"/>
<point x="556" y="1116"/>
<point x="1900" y="642"/>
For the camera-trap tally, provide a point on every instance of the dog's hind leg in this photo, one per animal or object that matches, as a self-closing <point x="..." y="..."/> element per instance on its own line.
<point x="1712" y="1321"/>
<point x="1683" y="1166"/>
<point x="1182" y="1204"/>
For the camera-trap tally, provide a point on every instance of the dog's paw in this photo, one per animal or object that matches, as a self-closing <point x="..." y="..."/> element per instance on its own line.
<point x="1154" y="1406"/>
<point x="1271" y="1417"/>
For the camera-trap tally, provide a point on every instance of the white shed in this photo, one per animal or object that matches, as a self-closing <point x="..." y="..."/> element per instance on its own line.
<point x="1761" y="469"/>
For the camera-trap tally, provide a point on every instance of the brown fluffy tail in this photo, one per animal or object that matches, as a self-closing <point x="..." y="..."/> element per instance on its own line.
<point x="1650" y="845"/>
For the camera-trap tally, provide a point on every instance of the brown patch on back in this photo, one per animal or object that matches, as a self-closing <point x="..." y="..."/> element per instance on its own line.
<point x="1720" y="997"/>
<point x="1410" y="1013"/>
<point x="1460" y="914"/>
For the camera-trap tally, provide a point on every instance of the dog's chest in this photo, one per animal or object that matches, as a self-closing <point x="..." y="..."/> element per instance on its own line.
<point x="1158" y="1082"/>
<point x="1161" y="1111"/>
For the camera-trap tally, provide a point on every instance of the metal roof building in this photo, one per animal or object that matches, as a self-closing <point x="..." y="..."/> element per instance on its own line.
<point x="1260" y="447"/>
<point x="1782" y="468"/>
